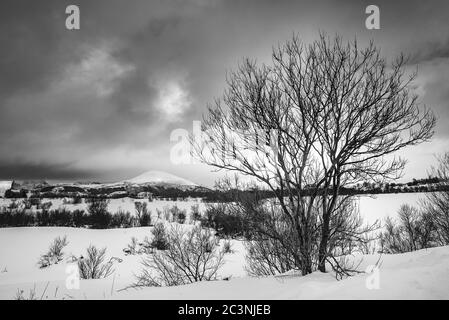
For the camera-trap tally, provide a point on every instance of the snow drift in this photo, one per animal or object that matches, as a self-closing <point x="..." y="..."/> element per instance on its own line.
<point x="422" y="274"/>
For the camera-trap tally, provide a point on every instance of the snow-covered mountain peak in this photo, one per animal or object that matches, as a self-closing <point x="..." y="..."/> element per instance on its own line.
<point x="156" y="177"/>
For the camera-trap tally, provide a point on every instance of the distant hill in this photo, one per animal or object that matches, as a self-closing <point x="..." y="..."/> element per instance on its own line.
<point x="159" y="184"/>
<point x="160" y="177"/>
<point x="148" y="184"/>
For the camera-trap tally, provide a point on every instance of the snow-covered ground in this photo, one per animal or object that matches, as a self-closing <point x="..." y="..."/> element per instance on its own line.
<point x="378" y="207"/>
<point x="418" y="275"/>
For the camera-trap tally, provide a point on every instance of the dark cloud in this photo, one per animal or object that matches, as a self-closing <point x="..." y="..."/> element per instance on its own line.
<point x="432" y="50"/>
<point x="93" y="102"/>
<point x="47" y="171"/>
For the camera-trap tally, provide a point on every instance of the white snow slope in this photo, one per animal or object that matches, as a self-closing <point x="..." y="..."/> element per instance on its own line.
<point x="422" y="274"/>
<point x="154" y="177"/>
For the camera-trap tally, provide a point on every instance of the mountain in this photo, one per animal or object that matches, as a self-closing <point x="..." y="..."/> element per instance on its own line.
<point x="158" y="183"/>
<point x="160" y="177"/>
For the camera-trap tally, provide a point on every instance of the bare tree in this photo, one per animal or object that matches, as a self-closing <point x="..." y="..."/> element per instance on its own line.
<point x="320" y="117"/>
<point x="436" y="204"/>
<point x="415" y="230"/>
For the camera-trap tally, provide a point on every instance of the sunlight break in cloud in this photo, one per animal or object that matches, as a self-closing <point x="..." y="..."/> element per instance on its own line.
<point x="173" y="100"/>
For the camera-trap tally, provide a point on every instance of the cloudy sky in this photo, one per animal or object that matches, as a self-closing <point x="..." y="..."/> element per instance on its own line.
<point x="100" y="103"/>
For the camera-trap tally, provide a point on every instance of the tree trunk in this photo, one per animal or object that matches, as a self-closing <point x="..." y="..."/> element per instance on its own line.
<point x="305" y="259"/>
<point x="322" y="253"/>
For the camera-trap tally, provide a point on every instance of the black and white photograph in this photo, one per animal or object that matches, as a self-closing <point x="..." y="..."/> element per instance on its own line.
<point x="250" y="150"/>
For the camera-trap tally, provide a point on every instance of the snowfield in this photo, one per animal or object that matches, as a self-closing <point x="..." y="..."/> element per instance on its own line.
<point x="418" y="275"/>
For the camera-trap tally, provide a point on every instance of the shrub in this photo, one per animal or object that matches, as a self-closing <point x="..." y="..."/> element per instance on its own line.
<point x="43" y="218"/>
<point x="195" y="212"/>
<point x="131" y="248"/>
<point x="160" y="240"/>
<point x="27" y="203"/>
<point x="5" y="217"/>
<point x="79" y="218"/>
<point x="143" y="215"/>
<point x="414" y="230"/>
<point x="167" y="214"/>
<point x="54" y="254"/>
<point x="23" y="218"/>
<point x="67" y="201"/>
<point x="136" y="247"/>
<point x="227" y="224"/>
<point x="77" y="200"/>
<point x="16" y="217"/>
<point x="122" y="219"/>
<point x="99" y="216"/>
<point x="44" y="206"/>
<point x="178" y="215"/>
<point x="273" y="247"/>
<point x="13" y="205"/>
<point x="145" y="219"/>
<point x="267" y="256"/>
<point x="35" y="201"/>
<point x="192" y="256"/>
<point x="158" y="213"/>
<point x="436" y="204"/>
<point x="60" y="217"/>
<point x="227" y="247"/>
<point x="93" y="266"/>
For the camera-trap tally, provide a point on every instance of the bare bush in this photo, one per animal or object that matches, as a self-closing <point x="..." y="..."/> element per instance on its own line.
<point x="436" y="204"/>
<point x="192" y="256"/>
<point x="227" y="247"/>
<point x="122" y="219"/>
<point x="160" y="238"/>
<point x="143" y="214"/>
<point x="178" y="215"/>
<point x="267" y="256"/>
<point x="132" y="247"/>
<point x="414" y="230"/>
<point x="136" y="247"/>
<point x="92" y="266"/>
<point x="99" y="216"/>
<point x="225" y="219"/>
<point x="54" y="254"/>
<point x="195" y="214"/>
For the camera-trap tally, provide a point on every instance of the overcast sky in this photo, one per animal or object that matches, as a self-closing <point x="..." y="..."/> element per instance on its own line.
<point x="100" y="103"/>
